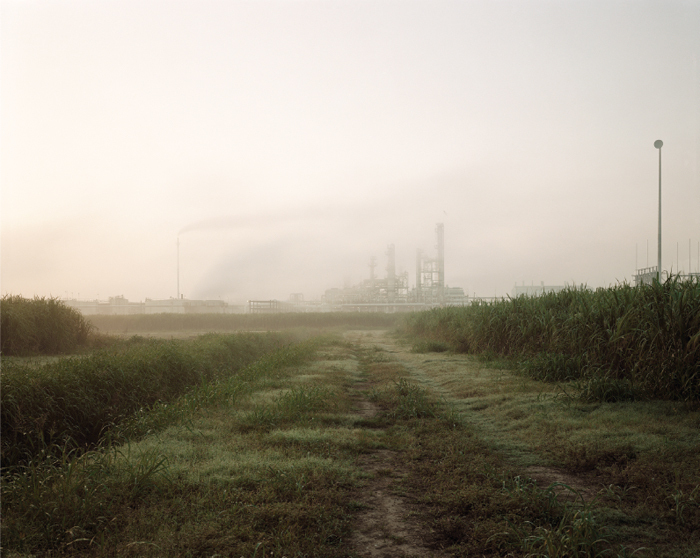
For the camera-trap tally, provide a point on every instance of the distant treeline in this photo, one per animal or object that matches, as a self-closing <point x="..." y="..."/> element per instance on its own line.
<point x="622" y="342"/>
<point x="145" y="323"/>
<point x="40" y="326"/>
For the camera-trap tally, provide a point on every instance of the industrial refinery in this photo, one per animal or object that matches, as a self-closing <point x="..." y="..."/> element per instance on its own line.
<point x="390" y="293"/>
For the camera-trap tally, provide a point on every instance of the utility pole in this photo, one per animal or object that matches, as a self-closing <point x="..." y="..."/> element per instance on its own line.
<point x="658" y="144"/>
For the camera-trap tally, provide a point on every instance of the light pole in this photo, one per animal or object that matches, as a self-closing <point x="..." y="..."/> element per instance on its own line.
<point x="658" y="144"/>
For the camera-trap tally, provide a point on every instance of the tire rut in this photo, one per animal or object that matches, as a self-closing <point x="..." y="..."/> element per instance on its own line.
<point x="388" y="526"/>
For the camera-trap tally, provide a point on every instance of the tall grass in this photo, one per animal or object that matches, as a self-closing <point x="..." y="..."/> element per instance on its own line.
<point x="67" y="501"/>
<point x="72" y="402"/>
<point x="150" y="323"/>
<point x="622" y="341"/>
<point x="40" y="326"/>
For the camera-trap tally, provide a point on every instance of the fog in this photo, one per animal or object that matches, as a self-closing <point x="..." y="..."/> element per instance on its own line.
<point x="284" y="143"/>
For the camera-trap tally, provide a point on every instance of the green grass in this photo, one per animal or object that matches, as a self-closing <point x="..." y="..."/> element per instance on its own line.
<point x="622" y="342"/>
<point x="73" y="402"/>
<point x="472" y="499"/>
<point x="248" y="464"/>
<point x="268" y="460"/>
<point x="639" y="460"/>
<point x="41" y="326"/>
<point x="174" y="323"/>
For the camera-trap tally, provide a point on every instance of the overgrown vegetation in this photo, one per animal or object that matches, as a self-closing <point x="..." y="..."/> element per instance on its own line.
<point x="151" y="323"/>
<point x="245" y="456"/>
<point x="72" y="402"/>
<point x="195" y="487"/>
<point x="40" y="326"/>
<point x="637" y="463"/>
<point x="621" y="343"/>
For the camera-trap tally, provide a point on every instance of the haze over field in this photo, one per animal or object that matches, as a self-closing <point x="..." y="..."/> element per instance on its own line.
<point x="287" y="142"/>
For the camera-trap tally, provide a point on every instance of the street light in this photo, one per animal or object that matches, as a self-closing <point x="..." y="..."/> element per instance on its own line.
<point x="658" y="144"/>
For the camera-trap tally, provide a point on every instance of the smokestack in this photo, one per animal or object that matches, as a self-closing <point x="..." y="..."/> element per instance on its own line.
<point x="178" y="266"/>
<point x="419" y="268"/>
<point x="391" y="272"/>
<point x="372" y="265"/>
<point x="441" y="259"/>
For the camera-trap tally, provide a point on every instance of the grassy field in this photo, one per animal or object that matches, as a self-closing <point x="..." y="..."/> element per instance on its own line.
<point x="637" y="464"/>
<point x="356" y="443"/>
<point x="112" y="500"/>
<point x="71" y="403"/>
<point x="274" y="459"/>
<point x="621" y="343"/>
<point x="188" y="323"/>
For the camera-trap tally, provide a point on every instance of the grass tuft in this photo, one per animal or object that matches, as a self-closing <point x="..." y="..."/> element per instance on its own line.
<point x="298" y="406"/>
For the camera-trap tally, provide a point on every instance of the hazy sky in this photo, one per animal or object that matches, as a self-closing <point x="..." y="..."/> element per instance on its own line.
<point x="287" y="142"/>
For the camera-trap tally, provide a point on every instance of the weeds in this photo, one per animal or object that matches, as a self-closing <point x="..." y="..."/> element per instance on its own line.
<point x="622" y="342"/>
<point x="557" y="529"/>
<point x="406" y="401"/>
<point x="115" y="499"/>
<point x="681" y="501"/>
<point x="644" y="452"/>
<point x="609" y="390"/>
<point x="41" y="326"/>
<point x="480" y="508"/>
<point x="262" y="460"/>
<point x="67" y="501"/>
<point x="76" y="401"/>
<point x="297" y="406"/>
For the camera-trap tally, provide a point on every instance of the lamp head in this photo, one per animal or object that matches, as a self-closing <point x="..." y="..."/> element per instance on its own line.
<point x="658" y="144"/>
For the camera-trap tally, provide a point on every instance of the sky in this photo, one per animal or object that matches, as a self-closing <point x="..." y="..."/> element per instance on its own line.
<point x="283" y="143"/>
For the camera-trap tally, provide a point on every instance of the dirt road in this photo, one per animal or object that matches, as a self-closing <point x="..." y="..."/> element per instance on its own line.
<point x="394" y="523"/>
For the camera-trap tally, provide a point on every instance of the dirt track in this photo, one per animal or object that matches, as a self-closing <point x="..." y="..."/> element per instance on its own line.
<point x="391" y="526"/>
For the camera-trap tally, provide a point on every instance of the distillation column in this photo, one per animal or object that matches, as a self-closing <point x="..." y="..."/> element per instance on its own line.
<point x="391" y="273"/>
<point x="372" y="277"/>
<point x="441" y="261"/>
<point x="419" y="271"/>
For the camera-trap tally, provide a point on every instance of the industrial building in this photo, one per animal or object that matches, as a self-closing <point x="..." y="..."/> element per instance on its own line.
<point x="648" y="275"/>
<point x="645" y="276"/>
<point x="392" y="294"/>
<point x="120" y="306"/>
<point x="389" y="294"/>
